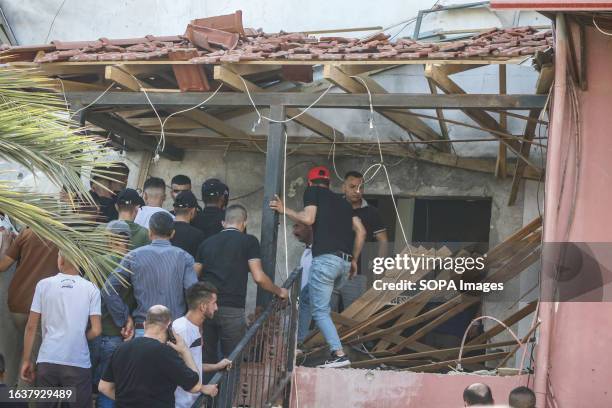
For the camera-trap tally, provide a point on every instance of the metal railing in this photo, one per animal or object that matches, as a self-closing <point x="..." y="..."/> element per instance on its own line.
<point x="263" y="361"/>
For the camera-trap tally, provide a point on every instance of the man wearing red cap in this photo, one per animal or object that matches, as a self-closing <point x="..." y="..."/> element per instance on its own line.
<point x="338" y="238"/>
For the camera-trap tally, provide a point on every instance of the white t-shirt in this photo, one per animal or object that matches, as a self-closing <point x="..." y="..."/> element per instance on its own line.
<point x="305" y="264"/>
<point x="145" y="213"/>
<point x="190" y="333"/>
<point x="65" y="303"/>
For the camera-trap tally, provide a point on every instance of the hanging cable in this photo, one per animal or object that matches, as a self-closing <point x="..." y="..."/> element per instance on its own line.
<point x="95" y="100"/>
<point x="260" y="116"/>
<point x="470" y="325"/>
<point x="599" y="29"/>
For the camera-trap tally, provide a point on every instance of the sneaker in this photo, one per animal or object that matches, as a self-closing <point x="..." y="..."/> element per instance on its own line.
<point x="337" y="362"/>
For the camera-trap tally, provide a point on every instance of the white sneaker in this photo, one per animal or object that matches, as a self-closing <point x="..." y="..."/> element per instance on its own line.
<point x="337" y="362"/>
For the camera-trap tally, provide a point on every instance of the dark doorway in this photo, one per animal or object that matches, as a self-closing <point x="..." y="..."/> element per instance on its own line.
<point x="452" y="220"/>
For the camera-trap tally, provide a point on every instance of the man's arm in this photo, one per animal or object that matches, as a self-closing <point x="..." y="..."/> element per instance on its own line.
<point x="27" y="366"/>
<point x="360" y="235"/>
<point x="189" y="276"/>
<point x="221" y="365"/>
<point x="8" y="251"/>
<point x="107" y="388"/>
<point x="197" y="267"/>
<point x="383" y="243"/>
<point x="263" y="280"/>
<point x="96" y="327"/>
<point x="185" y="355"/>
<point x="306" y="216"/>
<point x="6" y="263"/>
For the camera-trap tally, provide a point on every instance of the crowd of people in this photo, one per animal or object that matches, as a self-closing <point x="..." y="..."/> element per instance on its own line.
<point x="172" y="309"/>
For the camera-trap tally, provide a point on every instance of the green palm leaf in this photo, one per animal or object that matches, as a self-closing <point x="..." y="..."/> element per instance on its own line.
<point x="36" y="132"/>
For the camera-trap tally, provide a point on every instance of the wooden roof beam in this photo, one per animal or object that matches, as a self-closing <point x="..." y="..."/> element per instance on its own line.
<point x="545" y="80"/>
<point x="237" y="83"/>
<point x="132" y="135"/>
<point x="412" y="125"/>
<point x="221" y="127"/>
<point x="479" y="116"/>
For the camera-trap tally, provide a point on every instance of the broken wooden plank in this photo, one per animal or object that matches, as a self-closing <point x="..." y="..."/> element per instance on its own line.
<point x="122" y="78"/>
<point x="431" y="354"/>
<point x="412" y="125"/>
<point x="500" y="166"/>
<point x="482" y="118"/>
<point x="524" y="340"/>
<point x="240" y="84"/>
<point x="545" y="80"/>
<point x="464" y="361"/>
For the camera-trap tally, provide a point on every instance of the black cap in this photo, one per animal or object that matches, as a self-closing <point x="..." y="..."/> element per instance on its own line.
<point x="185" y="199"/>
<point x="128" y="196"/>
<point x="214" y="187"/>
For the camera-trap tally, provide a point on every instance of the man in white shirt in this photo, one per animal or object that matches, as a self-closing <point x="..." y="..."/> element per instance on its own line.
<point x="303" y="233"/>
<point x="201" y="300"/>
<point x="154" y="195"/>
<point x="63" y="304"/>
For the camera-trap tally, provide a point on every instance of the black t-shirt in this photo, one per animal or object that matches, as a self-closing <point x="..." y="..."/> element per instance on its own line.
<point x="146" y="374"/>
<point x="187" y="237"/>
<point x="209" y="221"/>
<point x="370" y="218"/>
<point x="225" y="263"/>
<point x="106" y="207"/>
<point x="333" y="226"/>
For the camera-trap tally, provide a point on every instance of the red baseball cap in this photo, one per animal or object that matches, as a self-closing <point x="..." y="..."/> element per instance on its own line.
<point x="319" y="172"/>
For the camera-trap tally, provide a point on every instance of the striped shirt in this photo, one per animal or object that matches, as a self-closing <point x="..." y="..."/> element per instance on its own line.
<point x="159" y="274"/>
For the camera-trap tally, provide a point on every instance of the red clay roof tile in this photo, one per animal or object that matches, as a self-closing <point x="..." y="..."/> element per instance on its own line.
<point x="222" y="39"/>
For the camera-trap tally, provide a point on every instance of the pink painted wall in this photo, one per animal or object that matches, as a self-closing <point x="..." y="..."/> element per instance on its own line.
<point x="352" y="388"/>
<point x="580" y="360"/>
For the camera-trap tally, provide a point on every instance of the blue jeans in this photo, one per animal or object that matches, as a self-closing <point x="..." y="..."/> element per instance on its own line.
<point x="101" y="350"/>
<point x="304" y="316"/>
<point x="326" y="273"/>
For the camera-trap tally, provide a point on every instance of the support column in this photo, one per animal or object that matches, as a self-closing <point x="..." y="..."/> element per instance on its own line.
<point x="272" y="185"/>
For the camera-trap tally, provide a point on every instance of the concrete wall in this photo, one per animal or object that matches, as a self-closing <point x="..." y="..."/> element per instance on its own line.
<point x="317" y="387"/>
<point x="578" y="211"/>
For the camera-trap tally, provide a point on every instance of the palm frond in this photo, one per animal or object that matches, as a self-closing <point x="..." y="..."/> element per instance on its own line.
<point x="36" y="131"/>
<point x="72" y="230"/>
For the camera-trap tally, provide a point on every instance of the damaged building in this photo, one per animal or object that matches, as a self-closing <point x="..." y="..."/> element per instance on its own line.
<point x="448" y="115"/>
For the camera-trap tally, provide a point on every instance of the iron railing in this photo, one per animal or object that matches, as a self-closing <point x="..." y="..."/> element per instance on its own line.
<point x="263" y="361"/>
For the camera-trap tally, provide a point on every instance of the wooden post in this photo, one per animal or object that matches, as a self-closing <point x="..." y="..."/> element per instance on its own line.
<point x="500" y="167"/>
<point x="272" y="185"/>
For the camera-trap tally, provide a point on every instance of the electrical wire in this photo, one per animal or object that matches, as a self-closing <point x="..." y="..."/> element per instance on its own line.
<point x="95" y="100"/>
<point x="599" y="29"/>
<point x="59" y="9"/>
<point x="470" y="325"/>
<point x="161" y="144"/>
<point x="260" y="116"/>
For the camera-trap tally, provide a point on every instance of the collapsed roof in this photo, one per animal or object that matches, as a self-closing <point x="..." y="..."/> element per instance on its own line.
<point x="222" y="39"/>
